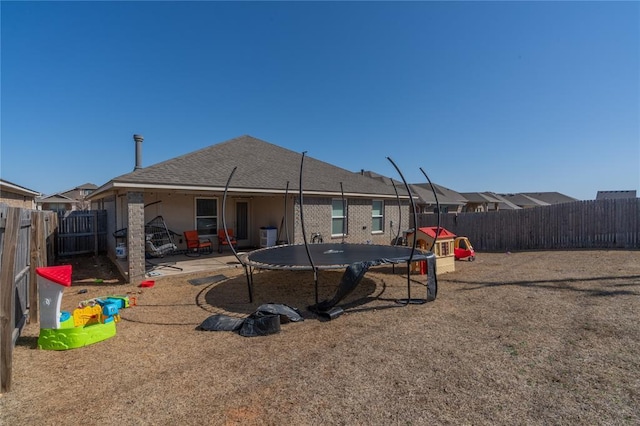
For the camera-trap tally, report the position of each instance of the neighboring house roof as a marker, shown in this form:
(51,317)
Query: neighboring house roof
(87,185)
(445,195)
(522,200)
(423,190)
(7,186)
(262,167)
(615,195)
(490,198)
(550,197)
(75,192)
(54,198)
(68,194)
(505,204)
(480,197)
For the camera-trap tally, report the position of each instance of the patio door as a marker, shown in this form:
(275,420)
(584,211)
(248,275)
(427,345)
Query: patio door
(242,223)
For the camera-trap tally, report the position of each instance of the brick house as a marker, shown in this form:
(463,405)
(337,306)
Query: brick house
(69,200)
(187,191)
(17,196)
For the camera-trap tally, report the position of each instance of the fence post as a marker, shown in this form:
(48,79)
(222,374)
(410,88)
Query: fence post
(7,298)
(95,232)
(38,258)
(52,237)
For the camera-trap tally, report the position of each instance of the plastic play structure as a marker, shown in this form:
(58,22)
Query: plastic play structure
(93,321)
(463,249)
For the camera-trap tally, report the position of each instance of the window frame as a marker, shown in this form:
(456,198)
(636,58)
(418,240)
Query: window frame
(380,216)
(345,206)
(197,217)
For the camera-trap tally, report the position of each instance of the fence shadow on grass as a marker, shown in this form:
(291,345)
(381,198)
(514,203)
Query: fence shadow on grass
(556,284)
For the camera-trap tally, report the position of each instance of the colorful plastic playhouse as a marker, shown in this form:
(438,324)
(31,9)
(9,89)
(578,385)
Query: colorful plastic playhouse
(86,325)
(441,246)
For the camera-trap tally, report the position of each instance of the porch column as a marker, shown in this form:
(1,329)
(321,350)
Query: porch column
(135,236)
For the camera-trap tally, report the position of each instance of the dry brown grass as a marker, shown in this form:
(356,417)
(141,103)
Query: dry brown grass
(525,338)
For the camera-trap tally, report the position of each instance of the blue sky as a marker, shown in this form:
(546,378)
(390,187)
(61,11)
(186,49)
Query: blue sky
(484,96)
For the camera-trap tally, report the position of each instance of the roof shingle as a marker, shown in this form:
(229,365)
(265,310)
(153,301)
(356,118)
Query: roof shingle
(261,166)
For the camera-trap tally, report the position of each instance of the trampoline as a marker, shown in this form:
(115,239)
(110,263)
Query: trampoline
(356,258)
(328,256)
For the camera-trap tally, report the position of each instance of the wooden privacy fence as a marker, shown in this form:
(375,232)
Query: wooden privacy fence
(599,224)
(82,232)
(26,242)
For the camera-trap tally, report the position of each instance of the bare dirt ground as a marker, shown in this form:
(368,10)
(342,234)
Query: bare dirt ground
(521,338)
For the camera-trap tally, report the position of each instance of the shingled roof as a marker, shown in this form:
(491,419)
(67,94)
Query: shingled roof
(480,197)
(262,167)
(615,195)
(522,200)
(445,195)
(550,197)
(423,190)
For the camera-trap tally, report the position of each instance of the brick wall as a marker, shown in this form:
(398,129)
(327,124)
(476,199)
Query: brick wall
(17,200)
(135,236)
(317,218)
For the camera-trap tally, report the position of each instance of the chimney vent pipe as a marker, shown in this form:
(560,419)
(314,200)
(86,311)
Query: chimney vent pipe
(138,139)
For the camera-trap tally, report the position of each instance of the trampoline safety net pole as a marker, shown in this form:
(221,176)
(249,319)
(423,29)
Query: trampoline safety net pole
(226,234)
(304,232)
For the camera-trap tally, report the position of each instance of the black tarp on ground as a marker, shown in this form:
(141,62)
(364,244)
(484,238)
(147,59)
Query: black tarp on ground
(264,321)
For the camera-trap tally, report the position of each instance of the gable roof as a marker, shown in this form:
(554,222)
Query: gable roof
(54,198)
(431,232)
(70,192)
(615,195)
(480,197)
(490,198)
(522,200)
(87,185)
(505,204)
(550,197)
(262,167)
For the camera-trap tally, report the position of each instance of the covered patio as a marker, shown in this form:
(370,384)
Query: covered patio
(181,264)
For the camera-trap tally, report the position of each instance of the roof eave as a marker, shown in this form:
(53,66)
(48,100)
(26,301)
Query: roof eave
(114,185)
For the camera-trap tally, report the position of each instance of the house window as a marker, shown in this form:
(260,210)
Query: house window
(338,217)
(56,207)
(207,216)
(377,216)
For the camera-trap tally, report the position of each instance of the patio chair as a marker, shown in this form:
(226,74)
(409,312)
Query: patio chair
(158,251)
(158,243)
(222,239)
(195,244)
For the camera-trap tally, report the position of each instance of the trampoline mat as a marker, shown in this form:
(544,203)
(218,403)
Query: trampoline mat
(329,255)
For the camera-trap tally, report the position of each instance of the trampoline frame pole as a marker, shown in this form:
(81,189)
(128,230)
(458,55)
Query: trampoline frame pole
(344,212)
(247,273)
(304,232)
(286,225)
(409,300)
